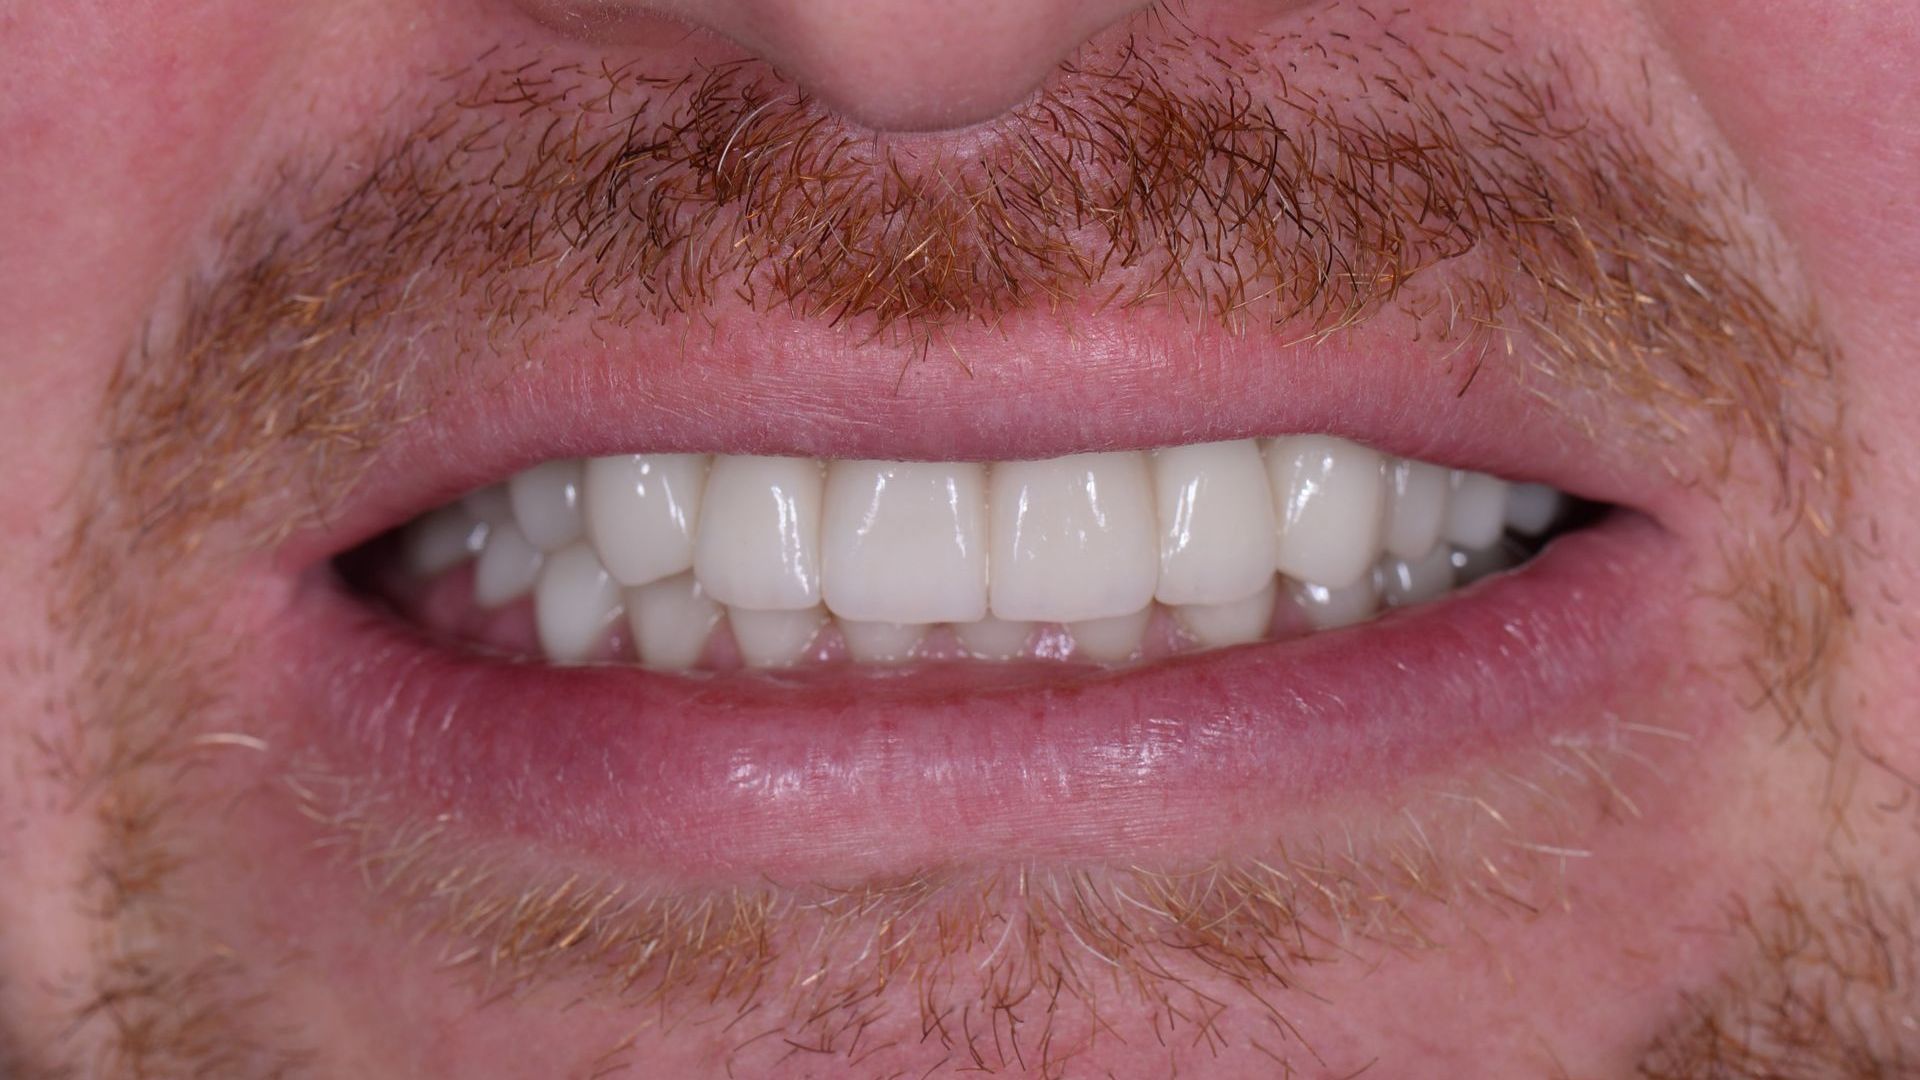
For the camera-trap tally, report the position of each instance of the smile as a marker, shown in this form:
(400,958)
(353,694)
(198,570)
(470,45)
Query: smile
(1104,558)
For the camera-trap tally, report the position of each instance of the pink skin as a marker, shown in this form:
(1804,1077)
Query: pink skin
(125,126)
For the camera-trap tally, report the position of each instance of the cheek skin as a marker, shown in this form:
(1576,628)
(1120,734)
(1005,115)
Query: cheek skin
(1827,130)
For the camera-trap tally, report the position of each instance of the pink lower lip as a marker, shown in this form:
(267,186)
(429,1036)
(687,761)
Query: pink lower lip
(845,771)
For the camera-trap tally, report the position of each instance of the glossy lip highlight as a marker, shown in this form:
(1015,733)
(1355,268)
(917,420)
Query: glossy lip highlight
(845,773)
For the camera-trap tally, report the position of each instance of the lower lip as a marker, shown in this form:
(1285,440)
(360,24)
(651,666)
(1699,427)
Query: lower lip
(845,772)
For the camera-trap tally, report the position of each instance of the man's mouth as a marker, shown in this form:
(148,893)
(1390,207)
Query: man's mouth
(863,665)
(1124,556)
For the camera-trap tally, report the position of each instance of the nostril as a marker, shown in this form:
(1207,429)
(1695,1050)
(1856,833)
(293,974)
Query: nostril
(888,65)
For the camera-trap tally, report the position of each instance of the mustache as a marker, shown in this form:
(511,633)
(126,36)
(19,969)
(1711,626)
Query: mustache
(1482,191)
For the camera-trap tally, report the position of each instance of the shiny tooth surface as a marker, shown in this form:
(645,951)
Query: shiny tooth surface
(1532,509)
(671,620)
(905,541)
(881,642)
(1476,509)
(1216,522)
(1071,538)
(1112,639)
(775,638)
(758,544)
(1416,507)
(994,639)
(1405,582)
(546,503)
(1328,608)
(508,567)
(442,540)
(641,511)
(1233,623)
(1331,499)
(574,602)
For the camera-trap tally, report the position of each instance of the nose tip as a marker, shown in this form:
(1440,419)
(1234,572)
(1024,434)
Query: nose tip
(914,65)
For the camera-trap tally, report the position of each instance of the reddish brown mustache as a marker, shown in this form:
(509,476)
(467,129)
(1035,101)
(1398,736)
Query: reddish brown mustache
(541,191)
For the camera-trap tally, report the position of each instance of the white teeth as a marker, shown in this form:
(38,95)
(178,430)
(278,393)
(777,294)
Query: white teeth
(905,542)
(1235,623)
(880,642)
(1404,583)
(671,621)
(994,639)
(641,510)
(1217,528)
(1072,538)
(574,602)
(1416,508)
(442,540)
(775,638)
(1327,609)
(1331,498)
(546,503)
(1532,509)
(759,537)
(508,567)
(1037,559)
(1111,640)
(1476,509)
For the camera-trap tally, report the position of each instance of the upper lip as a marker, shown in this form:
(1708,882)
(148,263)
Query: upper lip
(1032,387)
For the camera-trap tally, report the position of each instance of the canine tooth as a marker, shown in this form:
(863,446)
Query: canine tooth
(671,621)
(1405,582)
(1328,608)
(774,638)
(758,545)
(1217,528)
(508,567)
(1071,538)
(442,540)
(1112,639)
(574,602)
(904,542)
(1416,507)
(880,642)
(1532,509)
(1331,500)
(1476,509)
(641,510)
(546,503)
(994,639)
(1233,623)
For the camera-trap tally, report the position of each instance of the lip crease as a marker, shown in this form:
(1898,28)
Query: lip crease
(852,771)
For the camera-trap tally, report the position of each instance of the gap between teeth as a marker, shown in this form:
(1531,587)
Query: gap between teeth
(1235,541)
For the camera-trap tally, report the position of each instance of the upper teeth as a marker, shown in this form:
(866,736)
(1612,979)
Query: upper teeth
(890,547)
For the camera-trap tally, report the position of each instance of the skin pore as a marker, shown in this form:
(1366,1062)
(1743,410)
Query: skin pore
(220,895)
